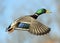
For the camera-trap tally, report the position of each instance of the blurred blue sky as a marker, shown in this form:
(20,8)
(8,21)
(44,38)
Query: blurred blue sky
(13,9)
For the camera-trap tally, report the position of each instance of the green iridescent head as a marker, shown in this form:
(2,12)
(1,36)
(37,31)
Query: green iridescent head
(41,11)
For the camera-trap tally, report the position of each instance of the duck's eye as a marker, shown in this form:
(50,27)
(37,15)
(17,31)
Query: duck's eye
(23,25)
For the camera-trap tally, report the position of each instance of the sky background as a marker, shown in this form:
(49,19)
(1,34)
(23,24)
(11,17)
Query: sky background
(13,9)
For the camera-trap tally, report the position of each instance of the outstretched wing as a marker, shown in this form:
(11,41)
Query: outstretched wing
(34,26)
(38,28)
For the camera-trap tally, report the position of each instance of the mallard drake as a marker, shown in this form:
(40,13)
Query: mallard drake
(30,24)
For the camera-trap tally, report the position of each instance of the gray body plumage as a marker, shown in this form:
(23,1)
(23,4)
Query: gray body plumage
(36,27)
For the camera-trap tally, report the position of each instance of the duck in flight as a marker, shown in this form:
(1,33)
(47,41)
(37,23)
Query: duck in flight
(30,24)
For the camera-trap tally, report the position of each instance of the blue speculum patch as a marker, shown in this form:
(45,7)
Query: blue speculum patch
(23,25)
